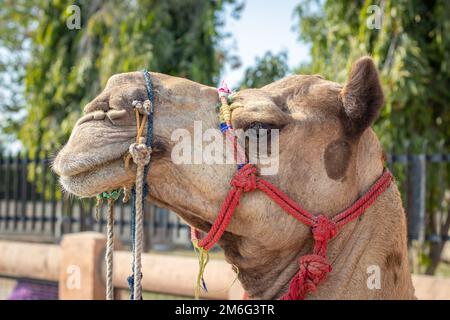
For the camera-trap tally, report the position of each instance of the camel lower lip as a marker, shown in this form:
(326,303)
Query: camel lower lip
(82,170)
(93,150)
(72,163)
(109,175)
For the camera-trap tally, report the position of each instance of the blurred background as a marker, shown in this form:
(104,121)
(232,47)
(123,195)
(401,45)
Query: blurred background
(56,55)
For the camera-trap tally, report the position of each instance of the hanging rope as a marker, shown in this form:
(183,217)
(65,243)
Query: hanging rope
(111,198)
(130,278)
(110,251)
(141,156)
(203,259)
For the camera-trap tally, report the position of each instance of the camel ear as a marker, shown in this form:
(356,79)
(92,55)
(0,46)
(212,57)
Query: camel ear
(362,97)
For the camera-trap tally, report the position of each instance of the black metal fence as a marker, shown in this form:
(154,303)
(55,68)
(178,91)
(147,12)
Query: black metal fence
(424,184)
(32,206)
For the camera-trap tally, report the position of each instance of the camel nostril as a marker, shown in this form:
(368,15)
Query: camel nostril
(116,114)
(99,115)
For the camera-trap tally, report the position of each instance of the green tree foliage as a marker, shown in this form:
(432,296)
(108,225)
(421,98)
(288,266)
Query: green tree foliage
(267,69)
(412,50)
(68,67)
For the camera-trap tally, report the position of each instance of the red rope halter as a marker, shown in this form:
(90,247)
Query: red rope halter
(314,267)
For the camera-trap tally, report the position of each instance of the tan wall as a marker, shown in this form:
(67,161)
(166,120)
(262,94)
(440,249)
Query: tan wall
(32,260)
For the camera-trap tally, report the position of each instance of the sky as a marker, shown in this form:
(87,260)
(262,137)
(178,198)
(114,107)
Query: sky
(264,25)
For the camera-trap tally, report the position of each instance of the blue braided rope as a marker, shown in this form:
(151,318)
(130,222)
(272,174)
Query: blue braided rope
(149,143)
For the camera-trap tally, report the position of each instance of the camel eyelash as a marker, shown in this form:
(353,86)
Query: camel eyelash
(260,125)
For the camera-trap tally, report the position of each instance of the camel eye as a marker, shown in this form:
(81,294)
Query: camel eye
(259,129)
(258,125)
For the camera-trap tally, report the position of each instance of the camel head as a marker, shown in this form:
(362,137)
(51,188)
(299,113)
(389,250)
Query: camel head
(327,157)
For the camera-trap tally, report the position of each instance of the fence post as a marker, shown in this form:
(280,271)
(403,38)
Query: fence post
(416,198)
(82,259)
(416,208)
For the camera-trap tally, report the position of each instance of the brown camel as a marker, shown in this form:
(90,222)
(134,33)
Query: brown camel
(328,157)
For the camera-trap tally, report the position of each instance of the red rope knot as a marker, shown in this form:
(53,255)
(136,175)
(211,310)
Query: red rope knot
(324,229)
(245,178)
(313,270)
